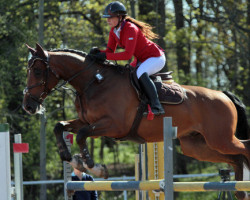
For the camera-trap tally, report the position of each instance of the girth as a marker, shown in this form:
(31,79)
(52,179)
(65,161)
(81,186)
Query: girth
(132,134)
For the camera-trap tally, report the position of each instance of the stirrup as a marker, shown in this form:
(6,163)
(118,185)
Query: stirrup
(155,112)
(158,111)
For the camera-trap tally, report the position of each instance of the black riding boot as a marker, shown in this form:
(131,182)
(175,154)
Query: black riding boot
(150,90)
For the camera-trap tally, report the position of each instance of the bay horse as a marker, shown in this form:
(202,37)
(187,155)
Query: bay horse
(207,120)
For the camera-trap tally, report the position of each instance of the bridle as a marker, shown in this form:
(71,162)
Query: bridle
(44,81)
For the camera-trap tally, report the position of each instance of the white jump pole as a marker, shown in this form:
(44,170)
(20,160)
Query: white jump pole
(5,183)
(18,169)
(66,166)
(170,133)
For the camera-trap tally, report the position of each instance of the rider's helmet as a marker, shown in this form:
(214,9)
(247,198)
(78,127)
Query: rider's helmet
(114,9)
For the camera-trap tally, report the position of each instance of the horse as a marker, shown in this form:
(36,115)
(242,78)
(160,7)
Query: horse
(207,119)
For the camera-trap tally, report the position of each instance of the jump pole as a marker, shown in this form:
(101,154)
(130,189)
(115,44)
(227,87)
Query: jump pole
(66,166)
(170,133)
(18,170)
(19,148)
(158,185)
(5,183)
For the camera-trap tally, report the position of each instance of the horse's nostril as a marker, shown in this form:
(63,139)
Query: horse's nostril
(28,108)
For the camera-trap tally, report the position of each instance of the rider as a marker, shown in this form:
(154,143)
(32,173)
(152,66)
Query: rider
(134,36)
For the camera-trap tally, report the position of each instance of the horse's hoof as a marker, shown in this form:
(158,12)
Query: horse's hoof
(100,171)
(240,195)
(77,163)
(65,156)
(87,159)
(70,193)
(90,163)
(105,172)
(81,168)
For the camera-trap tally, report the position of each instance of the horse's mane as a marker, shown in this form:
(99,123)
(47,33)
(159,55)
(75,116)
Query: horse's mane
(78,52)
(119,68)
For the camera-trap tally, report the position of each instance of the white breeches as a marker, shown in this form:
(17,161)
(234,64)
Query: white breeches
(151,65)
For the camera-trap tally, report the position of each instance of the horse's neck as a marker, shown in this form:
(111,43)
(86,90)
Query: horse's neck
(68,65)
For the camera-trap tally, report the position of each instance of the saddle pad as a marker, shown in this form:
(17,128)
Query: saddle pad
(170,93)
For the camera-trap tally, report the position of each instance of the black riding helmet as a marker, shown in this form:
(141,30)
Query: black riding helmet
(114,9)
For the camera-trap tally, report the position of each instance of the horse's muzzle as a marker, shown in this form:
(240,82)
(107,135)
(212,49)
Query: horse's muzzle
(30,106)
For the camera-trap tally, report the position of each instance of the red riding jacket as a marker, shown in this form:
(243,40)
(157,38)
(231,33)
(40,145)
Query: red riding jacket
(134,42)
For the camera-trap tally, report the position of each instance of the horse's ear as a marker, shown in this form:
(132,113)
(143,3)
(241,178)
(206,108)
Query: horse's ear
(40,51)
(32,51)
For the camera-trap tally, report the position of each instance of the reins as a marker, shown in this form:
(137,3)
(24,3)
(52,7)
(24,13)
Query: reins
(73,77)
(44,81)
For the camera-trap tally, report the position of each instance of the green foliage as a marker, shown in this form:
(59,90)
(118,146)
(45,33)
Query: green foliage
(214,42)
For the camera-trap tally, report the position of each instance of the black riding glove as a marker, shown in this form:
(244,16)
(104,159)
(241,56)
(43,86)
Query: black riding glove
(101,56)
(94,50)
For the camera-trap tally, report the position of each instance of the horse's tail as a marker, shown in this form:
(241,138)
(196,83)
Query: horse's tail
(242,130)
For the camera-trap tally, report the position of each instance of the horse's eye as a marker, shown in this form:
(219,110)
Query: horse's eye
(38,72)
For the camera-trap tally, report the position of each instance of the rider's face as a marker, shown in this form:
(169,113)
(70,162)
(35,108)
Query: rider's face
(113,21)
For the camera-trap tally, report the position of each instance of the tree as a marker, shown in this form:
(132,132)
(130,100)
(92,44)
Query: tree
(182,41)
(153,13)
(206,43)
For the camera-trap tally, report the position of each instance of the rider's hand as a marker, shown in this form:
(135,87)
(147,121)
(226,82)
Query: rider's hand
(101,56)
(94,50)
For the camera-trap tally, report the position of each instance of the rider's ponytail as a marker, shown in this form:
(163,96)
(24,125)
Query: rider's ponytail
(145,28)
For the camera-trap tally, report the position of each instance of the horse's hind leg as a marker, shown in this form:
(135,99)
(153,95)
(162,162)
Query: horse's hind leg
(246,143)
(228,144)
(220,133)
(195,146)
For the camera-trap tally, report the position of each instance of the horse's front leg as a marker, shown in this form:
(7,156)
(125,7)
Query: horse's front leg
(81,137)
(72,126)
(100,128)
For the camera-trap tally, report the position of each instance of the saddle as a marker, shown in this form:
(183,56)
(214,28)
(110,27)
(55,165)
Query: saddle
(169,92)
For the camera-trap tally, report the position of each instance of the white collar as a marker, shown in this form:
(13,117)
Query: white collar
(117,31)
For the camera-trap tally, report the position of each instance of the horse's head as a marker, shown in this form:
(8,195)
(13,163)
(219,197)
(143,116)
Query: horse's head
(40,80)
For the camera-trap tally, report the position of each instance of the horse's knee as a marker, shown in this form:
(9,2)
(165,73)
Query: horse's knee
(59,128)
(80,138)
(82,134)
(63,150)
